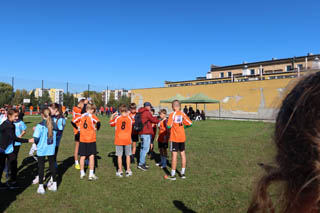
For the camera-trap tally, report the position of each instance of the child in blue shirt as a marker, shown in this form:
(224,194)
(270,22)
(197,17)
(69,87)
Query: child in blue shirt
(60,122)
(46,143)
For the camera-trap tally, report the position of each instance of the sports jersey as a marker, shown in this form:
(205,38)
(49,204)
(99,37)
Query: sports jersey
(163,132)
(76,113)
(20,126)
(123,126)
(176,122)
(45,146)
(87,126)
(61,123)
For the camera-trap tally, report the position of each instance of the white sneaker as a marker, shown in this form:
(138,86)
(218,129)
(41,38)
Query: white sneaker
(158,164)
(119,174)
(53,187)
(82,176)
(93,177)
(41,190)
(128,173)
(35,180)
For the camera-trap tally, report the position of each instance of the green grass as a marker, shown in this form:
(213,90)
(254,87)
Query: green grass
(222,161)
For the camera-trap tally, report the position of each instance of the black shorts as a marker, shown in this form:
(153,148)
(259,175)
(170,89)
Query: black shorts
(135,138)
(177,147)
(86,149)
(163,145)
(77,137)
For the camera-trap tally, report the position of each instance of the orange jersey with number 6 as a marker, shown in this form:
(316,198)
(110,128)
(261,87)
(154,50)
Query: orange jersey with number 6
(177,120)
(87,127)
(123,127)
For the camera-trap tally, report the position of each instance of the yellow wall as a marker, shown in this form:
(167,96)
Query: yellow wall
(239,98)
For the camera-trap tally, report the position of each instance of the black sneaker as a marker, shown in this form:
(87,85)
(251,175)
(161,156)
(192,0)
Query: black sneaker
(3,186)
(183,176)
(13,185)
(142,167)
(172,177)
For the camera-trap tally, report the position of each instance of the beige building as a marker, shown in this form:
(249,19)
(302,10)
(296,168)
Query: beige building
(262,70)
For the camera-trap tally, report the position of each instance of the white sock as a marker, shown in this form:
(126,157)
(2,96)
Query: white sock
(91,173)
(41,185)
(173,172)
(82,172)
(76,162)
(183,170)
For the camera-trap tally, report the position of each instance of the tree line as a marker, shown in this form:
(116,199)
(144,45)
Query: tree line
(8,96)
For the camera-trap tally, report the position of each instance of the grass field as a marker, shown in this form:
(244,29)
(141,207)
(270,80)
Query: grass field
(222,161)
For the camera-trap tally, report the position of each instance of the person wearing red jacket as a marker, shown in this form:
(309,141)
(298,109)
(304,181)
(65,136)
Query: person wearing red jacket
(146,133)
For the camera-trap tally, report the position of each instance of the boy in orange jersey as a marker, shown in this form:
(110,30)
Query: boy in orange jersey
(123,126)
(163,138)
(176,123)
(134,135)
(76,113)
(87,124)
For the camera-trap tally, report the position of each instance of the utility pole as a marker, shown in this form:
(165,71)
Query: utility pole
(67,88)
(88,90)
(107,100)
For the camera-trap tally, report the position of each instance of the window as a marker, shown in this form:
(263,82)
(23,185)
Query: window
(252,72)
(221,74)
(300,66)
(229,74)
(288,68)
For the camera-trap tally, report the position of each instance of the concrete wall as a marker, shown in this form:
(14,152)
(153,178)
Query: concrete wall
(253,99)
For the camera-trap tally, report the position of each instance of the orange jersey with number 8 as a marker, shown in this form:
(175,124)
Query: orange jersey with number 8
(123,128)
(177,120)
(87,127)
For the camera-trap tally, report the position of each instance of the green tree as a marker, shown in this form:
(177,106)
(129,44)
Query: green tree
(112,101)
(96,97)
(45,98)
(19,95)
(6,93)
(68,100)
(33,99)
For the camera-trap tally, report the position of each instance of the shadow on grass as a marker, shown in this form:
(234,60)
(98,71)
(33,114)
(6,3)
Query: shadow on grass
(182,207)
(26,173)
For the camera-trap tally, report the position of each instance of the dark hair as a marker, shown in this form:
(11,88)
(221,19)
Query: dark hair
(297,160)
(163,111)
(152,110)
(12,111)
(133,106)
(123,108)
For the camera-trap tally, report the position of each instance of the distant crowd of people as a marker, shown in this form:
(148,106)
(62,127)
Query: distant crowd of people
(194,115)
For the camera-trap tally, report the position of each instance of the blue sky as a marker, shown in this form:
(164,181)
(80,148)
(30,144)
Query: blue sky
(142,43)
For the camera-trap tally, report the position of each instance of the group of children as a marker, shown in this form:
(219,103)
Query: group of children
(46,137)
(48,133)
(86,124)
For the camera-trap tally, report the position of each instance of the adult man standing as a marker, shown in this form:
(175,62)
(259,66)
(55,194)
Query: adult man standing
(146,134)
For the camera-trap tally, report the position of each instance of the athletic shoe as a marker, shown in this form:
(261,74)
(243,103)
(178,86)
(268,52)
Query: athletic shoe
(77,166)
(163,167)
(53,187)
(142,167)
(93,177)
(82,176)
(35,180)
(119,174)
(41,190)
(172,177)
(3,186)
(158,164)
(183,176)
(147,166)
(128,173)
